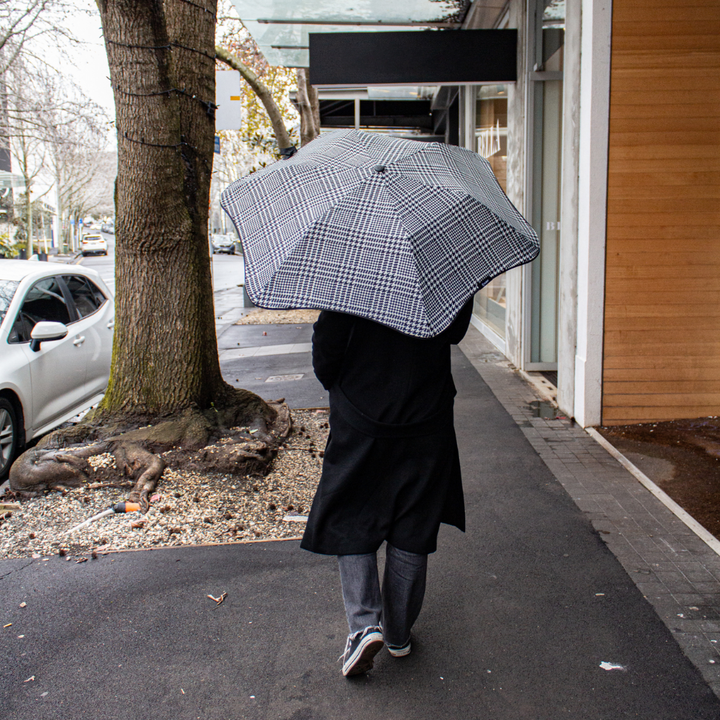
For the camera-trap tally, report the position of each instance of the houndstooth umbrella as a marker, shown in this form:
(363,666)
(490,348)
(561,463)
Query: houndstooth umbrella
(398,231)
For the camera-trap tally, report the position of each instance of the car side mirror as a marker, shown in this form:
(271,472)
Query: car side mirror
(45,332)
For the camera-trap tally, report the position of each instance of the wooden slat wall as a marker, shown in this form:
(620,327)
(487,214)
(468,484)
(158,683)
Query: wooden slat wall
(662,297)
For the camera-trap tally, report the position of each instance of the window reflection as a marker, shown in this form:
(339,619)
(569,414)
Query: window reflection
(7,292)
(491,110)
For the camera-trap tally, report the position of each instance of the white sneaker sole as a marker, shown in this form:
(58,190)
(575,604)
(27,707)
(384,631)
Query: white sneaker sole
(401,651)
(362,659)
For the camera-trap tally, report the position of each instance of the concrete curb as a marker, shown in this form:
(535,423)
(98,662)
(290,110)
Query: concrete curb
(708,538)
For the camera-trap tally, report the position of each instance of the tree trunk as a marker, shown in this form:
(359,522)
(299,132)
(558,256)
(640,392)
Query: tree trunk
(28,217)
(162,68)
(309,110)
(314,103)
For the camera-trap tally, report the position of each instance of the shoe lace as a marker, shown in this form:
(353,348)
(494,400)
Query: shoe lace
(349,641)
(347,644)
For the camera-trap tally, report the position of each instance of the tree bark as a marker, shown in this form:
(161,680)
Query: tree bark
(314,103)
(162,68)
(263,92)
(308,105)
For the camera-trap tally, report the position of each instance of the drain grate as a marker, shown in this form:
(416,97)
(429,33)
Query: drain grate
(285,378)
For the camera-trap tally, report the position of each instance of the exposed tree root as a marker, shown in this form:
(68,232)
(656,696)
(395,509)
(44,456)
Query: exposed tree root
(142,466)
(227,440)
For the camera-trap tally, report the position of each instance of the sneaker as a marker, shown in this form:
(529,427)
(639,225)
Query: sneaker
(360,650)
(400,650)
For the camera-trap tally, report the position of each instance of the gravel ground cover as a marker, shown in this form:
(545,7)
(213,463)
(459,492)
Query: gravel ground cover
(279,317)
(187,509)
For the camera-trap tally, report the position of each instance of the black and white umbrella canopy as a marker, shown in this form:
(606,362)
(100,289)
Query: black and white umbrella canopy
(397,231)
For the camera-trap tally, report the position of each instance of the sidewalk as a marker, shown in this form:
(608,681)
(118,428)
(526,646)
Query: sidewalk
(523,612)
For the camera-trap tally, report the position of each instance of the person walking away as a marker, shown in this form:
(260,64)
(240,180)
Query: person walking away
(391,472)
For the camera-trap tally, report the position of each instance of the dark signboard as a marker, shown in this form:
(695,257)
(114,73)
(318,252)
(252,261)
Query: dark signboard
(431,57)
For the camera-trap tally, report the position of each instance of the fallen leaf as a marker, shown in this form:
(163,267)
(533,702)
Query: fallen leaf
(218,600)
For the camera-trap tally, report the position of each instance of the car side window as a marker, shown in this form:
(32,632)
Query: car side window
(85,294)
(44,302)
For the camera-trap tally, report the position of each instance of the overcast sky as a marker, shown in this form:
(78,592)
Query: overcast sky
(89,68)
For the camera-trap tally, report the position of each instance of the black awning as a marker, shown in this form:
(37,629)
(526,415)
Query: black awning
(409,114)
(435,57)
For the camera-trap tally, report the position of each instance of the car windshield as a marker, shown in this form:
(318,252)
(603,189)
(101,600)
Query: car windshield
(7,291)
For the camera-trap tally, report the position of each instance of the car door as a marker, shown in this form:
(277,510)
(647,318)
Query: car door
(57,369)
(96,324)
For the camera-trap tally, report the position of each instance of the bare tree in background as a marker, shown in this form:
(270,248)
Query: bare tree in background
(55,134)
(75,146)
(25,132)
(36,104)
(25,22)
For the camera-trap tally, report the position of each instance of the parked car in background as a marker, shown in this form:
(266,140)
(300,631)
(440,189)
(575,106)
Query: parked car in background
(56,334)
(108,228)
(223,244)
(94,244)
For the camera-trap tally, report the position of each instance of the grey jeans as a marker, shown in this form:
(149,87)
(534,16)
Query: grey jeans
(396,609)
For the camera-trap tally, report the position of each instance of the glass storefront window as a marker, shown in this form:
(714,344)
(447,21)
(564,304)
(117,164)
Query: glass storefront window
(491,114)
(546,193)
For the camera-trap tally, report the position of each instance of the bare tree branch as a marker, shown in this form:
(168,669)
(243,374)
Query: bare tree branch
(263,92)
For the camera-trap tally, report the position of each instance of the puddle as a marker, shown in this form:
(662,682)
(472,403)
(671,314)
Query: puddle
(543,409)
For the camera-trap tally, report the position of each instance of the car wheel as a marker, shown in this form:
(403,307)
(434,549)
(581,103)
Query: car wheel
(8,436)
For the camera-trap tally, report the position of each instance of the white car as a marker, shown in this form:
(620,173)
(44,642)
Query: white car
(93,245)
(56,335)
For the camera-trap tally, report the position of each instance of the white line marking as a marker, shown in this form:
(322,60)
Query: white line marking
(263,350)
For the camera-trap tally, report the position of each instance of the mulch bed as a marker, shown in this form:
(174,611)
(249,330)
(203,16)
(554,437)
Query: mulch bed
(279,317)
(688,470)
(188,508)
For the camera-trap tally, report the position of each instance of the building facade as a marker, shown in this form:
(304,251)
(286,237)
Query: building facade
(608,141)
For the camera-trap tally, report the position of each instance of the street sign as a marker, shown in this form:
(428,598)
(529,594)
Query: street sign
(217,144)
(228,115)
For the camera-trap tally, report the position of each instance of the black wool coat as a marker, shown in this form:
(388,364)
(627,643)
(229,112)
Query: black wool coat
(391,469)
